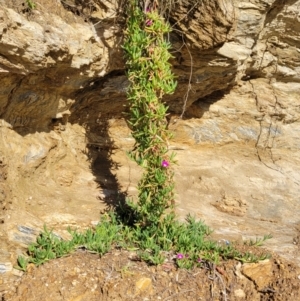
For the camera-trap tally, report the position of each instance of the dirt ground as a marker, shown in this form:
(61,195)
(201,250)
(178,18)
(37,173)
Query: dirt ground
(119,275)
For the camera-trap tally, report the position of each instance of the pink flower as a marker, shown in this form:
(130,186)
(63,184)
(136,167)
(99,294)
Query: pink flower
(149,22)
(179,256)
(164,163)
(199,260)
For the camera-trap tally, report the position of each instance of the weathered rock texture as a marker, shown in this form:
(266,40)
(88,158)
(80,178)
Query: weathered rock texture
(63,136)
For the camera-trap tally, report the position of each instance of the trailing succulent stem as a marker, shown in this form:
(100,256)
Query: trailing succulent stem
(151,77)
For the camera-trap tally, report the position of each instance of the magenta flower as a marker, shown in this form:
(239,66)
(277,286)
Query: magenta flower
(149,22)
(179,256)
(199,260)
(164,163)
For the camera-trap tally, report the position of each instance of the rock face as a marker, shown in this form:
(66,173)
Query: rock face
(63,135)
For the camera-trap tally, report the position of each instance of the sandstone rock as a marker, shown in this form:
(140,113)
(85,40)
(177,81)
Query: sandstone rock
(260,273)
(231,205)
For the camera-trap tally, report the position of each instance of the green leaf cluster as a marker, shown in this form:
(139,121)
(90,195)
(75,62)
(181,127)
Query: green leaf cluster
(30,4)
(49,246)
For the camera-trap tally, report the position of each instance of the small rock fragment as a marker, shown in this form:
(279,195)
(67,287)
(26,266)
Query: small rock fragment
(5,267)
(144,284)
(239,293)
(17,273)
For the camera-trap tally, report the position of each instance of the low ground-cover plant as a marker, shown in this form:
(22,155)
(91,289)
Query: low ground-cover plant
(149,225)
(186,243)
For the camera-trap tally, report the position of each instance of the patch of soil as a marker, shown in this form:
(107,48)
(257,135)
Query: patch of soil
(118,275)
